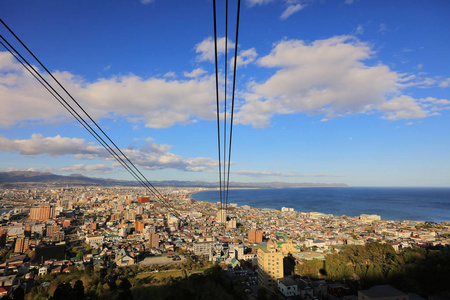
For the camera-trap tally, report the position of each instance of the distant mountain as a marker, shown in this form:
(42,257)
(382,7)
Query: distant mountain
(49,178)
(30,177)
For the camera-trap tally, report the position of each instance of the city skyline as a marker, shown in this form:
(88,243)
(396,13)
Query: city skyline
(352,92)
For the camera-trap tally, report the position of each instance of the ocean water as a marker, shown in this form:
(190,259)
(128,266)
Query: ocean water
(391,203)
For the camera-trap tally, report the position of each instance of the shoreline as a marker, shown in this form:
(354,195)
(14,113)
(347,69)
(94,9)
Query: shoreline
(393,204)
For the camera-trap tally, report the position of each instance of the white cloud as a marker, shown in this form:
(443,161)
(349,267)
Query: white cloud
(147,1)
(258,2)
(195,73)
(290,10)
(205,48)
(53,146)
(244,58)
(323,77)
(445,83)
(359,30)
(157,102)
(331,78)
(170,74)
(403,107)
(150,156)
(382,29)
(83,169)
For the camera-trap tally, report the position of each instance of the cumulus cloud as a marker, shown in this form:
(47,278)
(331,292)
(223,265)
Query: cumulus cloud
(245,57)
(205,49)
(150,156)
(292,6)
(195,73)
(445,83)
(323,77)
(406,107)
(332,77)
(82,169)
(290,10)
(359,30)
(53,146)
(403,107)
(157,102)
(258,2)
(382,28)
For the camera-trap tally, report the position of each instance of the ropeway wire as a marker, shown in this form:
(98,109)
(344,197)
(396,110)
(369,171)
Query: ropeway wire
(146,184)
(217,106)
(232,102)
(52,91)
(224,188)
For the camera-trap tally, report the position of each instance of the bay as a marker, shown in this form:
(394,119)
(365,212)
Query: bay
(391,203)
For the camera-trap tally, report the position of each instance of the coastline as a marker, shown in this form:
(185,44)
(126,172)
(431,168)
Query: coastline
(391,203)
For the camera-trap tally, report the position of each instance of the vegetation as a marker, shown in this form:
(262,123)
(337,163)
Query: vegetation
(414,269)
(161,282)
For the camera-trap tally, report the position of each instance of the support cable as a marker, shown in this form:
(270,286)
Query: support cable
(232,101)
(217,103)
(225,100)
(146,184)
(73,99)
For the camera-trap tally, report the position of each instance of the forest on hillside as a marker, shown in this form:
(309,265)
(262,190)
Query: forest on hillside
(418,270)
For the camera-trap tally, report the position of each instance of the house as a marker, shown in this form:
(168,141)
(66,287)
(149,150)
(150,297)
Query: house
(43,271)
(7,281)
(3,292)
(288,287)
(304,289)
(338,289)
(382,292)
(235,263)
(56,270)
(123,261)
(94,240)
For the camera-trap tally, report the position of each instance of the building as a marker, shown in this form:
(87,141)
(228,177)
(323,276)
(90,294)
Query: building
(382,292)
(270,264)
(52,229)
(139,210)
(221,216)
(231,224)
(27,230)
(21,245)
(203,248)
(255,236)
(143,199)
(369,218)
(94,239)
(58,236)
(288,287)
(3,236)
(286,209)
(42,213)
(153,240)
(139,226)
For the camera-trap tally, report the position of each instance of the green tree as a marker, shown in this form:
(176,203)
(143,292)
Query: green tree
(64,291)
(124,290)
(78,289)
(18,293)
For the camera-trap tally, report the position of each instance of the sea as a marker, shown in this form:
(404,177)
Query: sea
(391,203)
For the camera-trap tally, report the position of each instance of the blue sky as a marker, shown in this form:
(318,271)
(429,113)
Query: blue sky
(342,91)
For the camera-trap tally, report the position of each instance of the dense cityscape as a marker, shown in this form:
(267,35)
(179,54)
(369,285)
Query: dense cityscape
(51,232)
